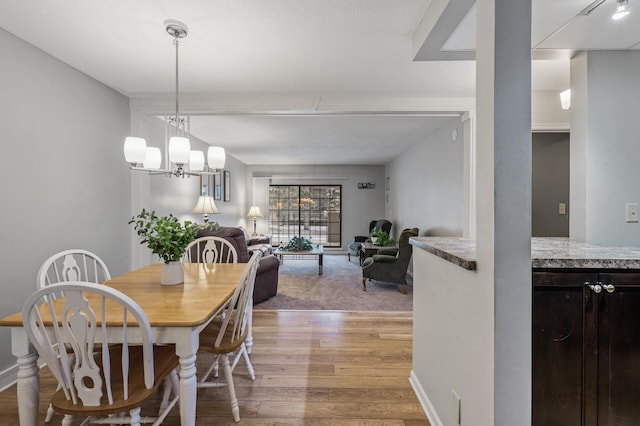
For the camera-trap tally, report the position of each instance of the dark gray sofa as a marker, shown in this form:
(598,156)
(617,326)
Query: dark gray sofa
(266,285)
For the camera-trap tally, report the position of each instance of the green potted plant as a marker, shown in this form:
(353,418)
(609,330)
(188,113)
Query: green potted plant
(298,243)
(384,240)
(168,238)
(381,238)
(375,234)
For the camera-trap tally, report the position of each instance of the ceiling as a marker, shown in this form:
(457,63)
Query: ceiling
(295,82)
(559,28)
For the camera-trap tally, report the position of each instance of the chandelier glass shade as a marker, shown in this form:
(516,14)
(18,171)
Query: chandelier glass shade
(153,159)
(180,159)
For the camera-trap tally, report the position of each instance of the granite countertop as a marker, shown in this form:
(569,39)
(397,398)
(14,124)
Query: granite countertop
(560,253)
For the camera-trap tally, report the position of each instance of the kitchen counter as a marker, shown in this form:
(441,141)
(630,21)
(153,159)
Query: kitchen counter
(546,253)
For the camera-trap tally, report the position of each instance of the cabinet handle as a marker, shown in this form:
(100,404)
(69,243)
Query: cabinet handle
(609,287)
(596,288)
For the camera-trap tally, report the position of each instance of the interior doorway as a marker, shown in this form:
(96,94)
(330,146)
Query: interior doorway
(550,185)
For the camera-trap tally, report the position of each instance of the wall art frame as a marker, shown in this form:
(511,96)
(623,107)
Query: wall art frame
(217,186)
(227,186)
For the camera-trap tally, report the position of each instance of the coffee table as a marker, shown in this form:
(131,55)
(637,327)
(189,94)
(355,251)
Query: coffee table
(316,251)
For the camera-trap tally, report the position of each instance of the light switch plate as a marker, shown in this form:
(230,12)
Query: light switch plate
(631,210)
(562,208)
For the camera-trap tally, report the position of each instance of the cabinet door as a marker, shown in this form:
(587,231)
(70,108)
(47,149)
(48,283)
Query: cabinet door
(619,351)
(558,338)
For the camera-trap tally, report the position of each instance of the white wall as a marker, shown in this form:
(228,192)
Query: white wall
(65,182)
(453,336)
(427,191)
(578,148)
(547,113)
(474,328)
(605,130)
(426,184)
(359,206)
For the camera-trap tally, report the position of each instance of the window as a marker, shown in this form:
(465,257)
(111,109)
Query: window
(312,211)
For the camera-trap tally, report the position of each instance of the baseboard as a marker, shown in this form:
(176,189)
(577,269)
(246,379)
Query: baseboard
(432,416)
(8,377)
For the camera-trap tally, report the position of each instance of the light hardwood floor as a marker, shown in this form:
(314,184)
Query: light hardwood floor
(312,368)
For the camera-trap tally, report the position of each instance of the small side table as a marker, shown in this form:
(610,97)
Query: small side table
(369,249)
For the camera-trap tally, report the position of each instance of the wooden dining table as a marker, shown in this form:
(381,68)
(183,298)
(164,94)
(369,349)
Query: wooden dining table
(176,315)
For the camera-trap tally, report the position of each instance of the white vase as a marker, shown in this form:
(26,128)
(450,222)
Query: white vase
(374,239)
(172,273)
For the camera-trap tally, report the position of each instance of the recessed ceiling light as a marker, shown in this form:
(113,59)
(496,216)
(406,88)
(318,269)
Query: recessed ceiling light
(622,9)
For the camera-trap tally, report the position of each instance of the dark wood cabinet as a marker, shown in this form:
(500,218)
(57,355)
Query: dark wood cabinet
(586,348)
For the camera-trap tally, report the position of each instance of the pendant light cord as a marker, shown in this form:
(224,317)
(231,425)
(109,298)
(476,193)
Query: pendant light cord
(176,42)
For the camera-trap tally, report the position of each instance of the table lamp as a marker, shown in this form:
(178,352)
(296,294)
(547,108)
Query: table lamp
(255,213)
(204,206)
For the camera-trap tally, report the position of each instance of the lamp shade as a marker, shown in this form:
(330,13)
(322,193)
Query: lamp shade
(196,161)
(216,157)
(254,212)
(153,159)
(179,150)
(135,150)
(205,204)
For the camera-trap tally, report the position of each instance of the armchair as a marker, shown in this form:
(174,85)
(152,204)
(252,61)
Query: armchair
(392,269)
(354,247)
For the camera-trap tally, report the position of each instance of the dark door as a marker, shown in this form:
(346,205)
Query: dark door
(550,185)
(619,351)
(558,338)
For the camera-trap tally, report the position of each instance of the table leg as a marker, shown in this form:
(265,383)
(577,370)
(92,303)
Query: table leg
(28,384)
(186,350)
(320,264)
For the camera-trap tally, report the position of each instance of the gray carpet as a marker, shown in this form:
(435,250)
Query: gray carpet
(339,288)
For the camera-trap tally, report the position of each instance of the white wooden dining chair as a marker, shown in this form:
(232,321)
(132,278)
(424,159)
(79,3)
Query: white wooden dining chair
(225,336)
(210,250)
(73,265)
(98,383)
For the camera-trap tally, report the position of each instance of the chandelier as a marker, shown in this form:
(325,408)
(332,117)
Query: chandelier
(180,160)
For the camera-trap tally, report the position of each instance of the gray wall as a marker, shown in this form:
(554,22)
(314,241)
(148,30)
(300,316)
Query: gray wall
(426,184)
(604,145)
(549,184)
(65,182)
